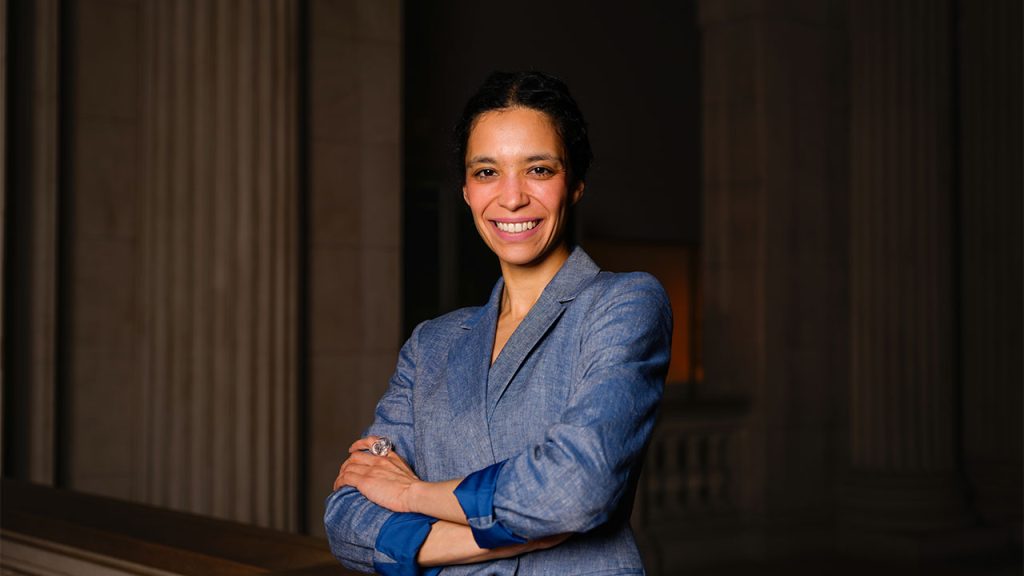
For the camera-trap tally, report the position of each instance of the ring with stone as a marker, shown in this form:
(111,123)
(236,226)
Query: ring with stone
(381,447)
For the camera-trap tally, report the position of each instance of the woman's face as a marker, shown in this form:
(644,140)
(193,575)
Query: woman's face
(516,185)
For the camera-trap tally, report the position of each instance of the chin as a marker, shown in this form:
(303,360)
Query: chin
(524,258)
(517,260)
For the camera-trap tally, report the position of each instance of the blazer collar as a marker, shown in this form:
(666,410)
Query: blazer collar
(470,360)
(571,278)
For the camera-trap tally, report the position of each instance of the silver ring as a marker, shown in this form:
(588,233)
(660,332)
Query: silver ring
(382,447)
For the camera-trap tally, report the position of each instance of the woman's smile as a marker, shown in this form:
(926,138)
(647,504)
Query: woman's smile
(516,229)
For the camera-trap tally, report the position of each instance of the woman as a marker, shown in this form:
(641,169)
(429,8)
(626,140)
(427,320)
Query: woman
(511,435)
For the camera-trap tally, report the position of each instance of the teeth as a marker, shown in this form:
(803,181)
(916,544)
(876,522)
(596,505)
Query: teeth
(515,228)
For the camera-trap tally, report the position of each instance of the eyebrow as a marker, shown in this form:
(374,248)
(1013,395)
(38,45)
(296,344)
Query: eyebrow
(544,157)
(532,158)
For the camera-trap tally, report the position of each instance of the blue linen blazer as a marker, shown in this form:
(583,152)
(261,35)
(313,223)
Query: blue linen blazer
(557,424)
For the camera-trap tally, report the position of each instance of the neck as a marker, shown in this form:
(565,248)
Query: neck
(524,284)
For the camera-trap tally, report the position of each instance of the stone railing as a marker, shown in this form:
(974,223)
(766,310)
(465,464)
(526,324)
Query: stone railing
(687,507)
(691,463)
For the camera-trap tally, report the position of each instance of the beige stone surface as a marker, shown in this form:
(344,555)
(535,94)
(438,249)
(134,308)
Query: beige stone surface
(335,300)
(334,376)
(182,282)
(334,88)
(334,19)
(336,204)
(105,294)
(107,79)
(44,242)
(355,293)
(379,78)
(107,185)
(3,178)
(379,283)
(380,184)
(103,291)
(377,20)
(103,420)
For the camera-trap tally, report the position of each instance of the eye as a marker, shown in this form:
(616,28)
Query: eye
(542,171)
(484,173)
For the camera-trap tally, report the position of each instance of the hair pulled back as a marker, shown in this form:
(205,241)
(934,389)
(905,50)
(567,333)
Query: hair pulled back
(536,91)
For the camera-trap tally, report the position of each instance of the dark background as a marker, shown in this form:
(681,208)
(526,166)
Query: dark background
(220,221)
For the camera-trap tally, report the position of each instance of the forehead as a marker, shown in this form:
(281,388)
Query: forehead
(512,128)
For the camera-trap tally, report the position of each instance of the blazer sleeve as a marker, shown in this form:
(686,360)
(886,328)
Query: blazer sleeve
(363,535)
(575,478)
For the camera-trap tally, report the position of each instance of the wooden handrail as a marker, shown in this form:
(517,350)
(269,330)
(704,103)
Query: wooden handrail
(117,534)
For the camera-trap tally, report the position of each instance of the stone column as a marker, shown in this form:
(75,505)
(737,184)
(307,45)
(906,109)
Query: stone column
(991,262)
(44,269)
(3,178)
(902,459)
(30,205)
(355,168)
(218,256)
(775,149)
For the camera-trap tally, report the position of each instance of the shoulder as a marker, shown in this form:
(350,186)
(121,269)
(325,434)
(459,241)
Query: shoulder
(638,290)
(431,340)
(453,319)
(623,304)
(628,281)
(445,327)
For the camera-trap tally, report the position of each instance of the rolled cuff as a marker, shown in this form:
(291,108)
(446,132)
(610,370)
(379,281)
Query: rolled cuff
(476,497)
(399,542)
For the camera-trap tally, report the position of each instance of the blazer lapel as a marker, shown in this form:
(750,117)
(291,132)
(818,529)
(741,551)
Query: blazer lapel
(533,328)
(575,274)
(469,362)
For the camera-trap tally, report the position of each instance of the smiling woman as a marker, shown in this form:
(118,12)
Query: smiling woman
(517,188)
(514,431)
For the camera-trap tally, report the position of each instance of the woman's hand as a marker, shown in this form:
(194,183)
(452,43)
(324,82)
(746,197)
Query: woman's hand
(383,480)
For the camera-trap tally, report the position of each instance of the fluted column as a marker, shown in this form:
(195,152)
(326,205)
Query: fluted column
(991,259)
(219,265)
(774,180)
(902,355)
(44,269)
(3,178)
(30,260)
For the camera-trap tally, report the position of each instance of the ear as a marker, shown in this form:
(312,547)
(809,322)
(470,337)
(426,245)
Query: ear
(577,193)
(465,197)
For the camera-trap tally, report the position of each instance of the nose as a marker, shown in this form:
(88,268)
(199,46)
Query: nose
(512,195)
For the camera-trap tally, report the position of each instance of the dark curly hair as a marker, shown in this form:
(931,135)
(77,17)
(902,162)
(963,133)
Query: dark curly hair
(536,91)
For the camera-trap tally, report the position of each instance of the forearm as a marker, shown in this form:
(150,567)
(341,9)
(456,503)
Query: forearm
(351,524)
(449,543)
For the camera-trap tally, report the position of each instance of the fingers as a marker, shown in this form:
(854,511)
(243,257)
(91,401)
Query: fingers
(351,473)
(361,464)
(339,481)
(344,474)
(362,444)
(358,454)
(345,477)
